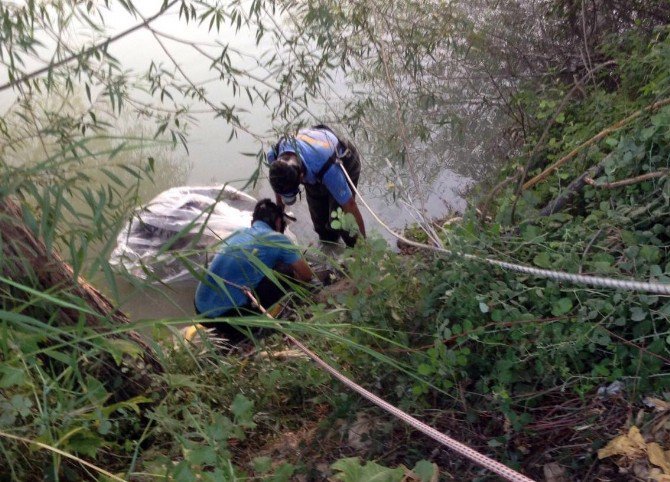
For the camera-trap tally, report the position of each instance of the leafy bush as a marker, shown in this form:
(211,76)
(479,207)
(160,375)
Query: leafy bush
(480,341)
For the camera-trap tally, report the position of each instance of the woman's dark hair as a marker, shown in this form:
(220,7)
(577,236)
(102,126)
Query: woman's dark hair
(284,176)
(268,212)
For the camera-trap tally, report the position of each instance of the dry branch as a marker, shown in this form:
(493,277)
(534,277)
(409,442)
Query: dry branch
(26,260)
(573,188)
(89,51)
(602,134)
(564,102)
(627,182)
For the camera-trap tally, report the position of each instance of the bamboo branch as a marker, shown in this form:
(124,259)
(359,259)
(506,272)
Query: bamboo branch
(602,134)
(627,182)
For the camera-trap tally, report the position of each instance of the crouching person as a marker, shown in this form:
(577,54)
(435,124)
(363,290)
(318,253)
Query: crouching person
(241,263)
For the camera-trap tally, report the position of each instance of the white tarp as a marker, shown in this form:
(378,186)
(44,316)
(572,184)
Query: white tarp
(180,226)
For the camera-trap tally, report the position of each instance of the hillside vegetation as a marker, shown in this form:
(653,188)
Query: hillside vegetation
(538,374)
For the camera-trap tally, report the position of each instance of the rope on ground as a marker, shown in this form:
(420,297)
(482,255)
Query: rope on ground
(630,285)
(456,446)
(462,449)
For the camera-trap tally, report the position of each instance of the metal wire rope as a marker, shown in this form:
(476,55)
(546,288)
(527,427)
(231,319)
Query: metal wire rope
(630,285)
(455,445)
(458,447)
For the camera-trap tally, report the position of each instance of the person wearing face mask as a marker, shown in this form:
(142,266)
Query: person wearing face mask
(310,158)
(243,263)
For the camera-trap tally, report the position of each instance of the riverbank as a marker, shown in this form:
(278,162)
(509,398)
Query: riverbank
(543,374)
(541,368)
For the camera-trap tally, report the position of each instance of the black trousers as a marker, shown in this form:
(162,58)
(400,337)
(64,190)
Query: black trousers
(321,203)
(267,293)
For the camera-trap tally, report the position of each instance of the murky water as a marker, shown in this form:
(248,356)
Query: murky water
(212,159)
(177,301)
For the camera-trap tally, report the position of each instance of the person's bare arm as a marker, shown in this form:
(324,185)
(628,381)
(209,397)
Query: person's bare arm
(302,270)
(280,201)
(352,208)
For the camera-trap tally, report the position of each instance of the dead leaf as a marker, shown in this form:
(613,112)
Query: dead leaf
(658,457)
(655,474)
(630,445)
(359,432)
(657,404)
(639,418)
(661,425)
(554,472)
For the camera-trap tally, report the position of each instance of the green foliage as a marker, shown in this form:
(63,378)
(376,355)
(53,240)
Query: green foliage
(214,405)
(50,395)
(465,335)
(344,221)
(440,336)
(351,470)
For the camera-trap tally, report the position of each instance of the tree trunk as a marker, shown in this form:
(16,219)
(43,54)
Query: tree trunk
(26,260)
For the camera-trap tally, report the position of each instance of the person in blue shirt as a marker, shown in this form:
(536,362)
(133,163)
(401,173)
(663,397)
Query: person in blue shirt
(310,158)
(243,262)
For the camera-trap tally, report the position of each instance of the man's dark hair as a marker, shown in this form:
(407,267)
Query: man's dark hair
(268,212)
(284,176)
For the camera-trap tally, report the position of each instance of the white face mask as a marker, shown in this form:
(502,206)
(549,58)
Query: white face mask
(289,199)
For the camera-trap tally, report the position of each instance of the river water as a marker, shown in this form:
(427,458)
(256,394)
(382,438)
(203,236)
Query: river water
(212,159)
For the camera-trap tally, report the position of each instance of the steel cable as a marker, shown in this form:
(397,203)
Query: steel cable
(630,285)
(458,447)
(455,445)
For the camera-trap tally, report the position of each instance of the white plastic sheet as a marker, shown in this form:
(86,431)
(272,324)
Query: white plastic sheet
(180,227)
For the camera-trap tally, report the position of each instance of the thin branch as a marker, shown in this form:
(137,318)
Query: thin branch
(628,182)
(564,102)
(201,95)
(38,129)
(574,187)
(246,73)
(62,453)
(280,32)
(522,173)
(602,134)
(484,206)
(89,50)
(584,34)
(635,345)
(587,249)
(412,170)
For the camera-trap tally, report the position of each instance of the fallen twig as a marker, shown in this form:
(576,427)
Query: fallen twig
(635,345)
(627,182)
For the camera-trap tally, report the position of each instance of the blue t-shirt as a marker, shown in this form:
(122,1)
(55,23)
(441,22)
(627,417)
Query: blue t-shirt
(314,147)
(238,262)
